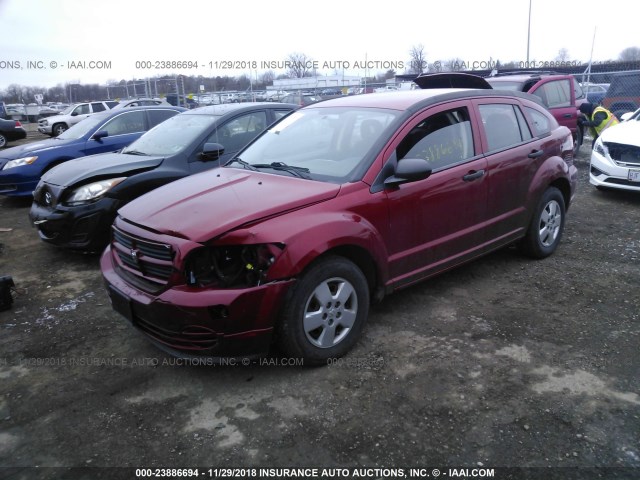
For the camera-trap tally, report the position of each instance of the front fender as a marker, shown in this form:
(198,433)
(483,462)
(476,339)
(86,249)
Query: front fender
(305,237)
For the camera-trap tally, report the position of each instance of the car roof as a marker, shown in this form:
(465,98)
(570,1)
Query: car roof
(417,99)
(116,111)
(225,108)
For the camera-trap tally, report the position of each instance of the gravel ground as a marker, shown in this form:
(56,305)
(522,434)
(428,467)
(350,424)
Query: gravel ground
(504,362)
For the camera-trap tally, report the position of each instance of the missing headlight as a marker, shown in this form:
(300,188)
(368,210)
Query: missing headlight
(228,266)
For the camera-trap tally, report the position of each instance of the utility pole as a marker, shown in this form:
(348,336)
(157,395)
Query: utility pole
(529,33)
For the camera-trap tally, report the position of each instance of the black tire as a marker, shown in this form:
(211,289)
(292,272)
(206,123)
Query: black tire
(3,141)
(58,129)
(546,226)
(577,142)
(340,317)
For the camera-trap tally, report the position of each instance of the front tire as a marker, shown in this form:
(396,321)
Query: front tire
(58,129)
(546,226)
(325,311)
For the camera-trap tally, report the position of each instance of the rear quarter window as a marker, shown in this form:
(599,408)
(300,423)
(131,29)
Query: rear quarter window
(541,123)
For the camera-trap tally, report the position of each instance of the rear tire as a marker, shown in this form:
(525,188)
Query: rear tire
(325,311)
(3,141)
(546,226)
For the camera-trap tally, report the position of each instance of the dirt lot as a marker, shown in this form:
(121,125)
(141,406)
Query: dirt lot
(506,362)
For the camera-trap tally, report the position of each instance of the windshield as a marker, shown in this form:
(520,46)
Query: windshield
(83,127)
(329,144)
(172,136)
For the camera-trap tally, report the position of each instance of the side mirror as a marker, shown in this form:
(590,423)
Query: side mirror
(211,151)
(408,170)
(626,116)
(100,134)
(74,114)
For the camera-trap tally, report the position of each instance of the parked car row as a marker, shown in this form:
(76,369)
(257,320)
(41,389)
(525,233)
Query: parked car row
(233,228)
(76,203)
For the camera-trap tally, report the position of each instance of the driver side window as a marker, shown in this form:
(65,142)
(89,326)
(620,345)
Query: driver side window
(238,132)
(443,140)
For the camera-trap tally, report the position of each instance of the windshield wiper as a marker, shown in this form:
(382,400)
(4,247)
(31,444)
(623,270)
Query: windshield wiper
(297,171)
(246,165)
(134,152)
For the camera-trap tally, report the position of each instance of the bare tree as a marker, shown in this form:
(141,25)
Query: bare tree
(630,54)
(563,55)
(417,59)
(267,77)
(14,93)
(299,65)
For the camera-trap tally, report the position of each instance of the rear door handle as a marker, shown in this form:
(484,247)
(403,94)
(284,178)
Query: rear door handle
(536,154)
(473,175)
(568,115)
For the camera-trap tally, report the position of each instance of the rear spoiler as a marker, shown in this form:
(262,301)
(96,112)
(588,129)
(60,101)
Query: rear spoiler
(451,80)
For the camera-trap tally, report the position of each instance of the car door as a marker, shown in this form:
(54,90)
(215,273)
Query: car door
(513,156)
(233,135)
(79,113)
(559,98)
(122,130)
(438,221)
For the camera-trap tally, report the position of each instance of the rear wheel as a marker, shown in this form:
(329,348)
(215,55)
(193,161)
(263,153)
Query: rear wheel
(325,311)
(547,225)
(3,141)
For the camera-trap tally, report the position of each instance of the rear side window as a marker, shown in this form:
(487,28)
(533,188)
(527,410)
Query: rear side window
(540,123)
(98,107)
(159,116)
(501,126)
(443,140)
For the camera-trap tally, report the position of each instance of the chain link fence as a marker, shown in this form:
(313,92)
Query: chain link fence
(618,92)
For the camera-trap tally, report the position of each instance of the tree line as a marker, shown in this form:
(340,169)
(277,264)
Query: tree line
(165,84)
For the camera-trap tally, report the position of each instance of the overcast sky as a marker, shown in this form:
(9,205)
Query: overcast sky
(117,33)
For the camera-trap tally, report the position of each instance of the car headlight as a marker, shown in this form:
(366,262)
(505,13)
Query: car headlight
(92,191)
(230,266)
(44,123)
(20,162)
(600,149)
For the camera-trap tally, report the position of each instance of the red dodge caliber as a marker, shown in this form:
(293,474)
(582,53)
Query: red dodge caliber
(339,203)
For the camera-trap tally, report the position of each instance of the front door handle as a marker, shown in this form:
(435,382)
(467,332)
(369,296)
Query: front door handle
(473,175)
(536,153)
(568,115)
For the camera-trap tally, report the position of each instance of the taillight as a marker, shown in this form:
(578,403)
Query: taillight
(18,124)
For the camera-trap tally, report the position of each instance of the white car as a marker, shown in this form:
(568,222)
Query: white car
(615,160)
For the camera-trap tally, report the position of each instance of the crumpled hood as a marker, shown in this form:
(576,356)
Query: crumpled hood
(204,206)
(626,133)
(102,165)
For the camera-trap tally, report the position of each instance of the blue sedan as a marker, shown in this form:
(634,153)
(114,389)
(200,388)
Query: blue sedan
(21,167)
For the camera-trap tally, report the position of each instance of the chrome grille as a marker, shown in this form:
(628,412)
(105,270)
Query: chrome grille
(151,261)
